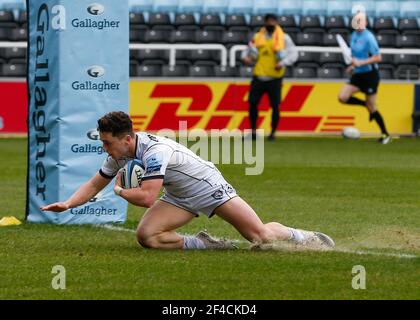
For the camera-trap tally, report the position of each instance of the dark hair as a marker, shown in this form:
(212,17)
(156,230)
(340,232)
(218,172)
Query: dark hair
(269,16)
(116,122)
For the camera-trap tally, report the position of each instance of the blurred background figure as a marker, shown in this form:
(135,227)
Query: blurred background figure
(266,50)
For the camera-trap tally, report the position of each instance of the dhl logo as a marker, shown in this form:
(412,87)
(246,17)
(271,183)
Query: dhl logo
(203,106)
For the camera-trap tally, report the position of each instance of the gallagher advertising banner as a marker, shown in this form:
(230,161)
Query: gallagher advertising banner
(78,71)
(306,108)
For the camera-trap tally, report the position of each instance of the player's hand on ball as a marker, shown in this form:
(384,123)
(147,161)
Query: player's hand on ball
(56,207)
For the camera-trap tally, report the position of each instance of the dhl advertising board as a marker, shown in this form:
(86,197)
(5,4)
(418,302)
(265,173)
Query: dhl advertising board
(307,107)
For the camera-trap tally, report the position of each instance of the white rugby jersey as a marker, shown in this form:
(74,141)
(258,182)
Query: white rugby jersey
(184,173)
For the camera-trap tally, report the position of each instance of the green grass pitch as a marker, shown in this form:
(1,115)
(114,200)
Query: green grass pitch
(365,195)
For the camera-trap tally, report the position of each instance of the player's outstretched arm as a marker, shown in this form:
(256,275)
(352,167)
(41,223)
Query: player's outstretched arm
(86,192)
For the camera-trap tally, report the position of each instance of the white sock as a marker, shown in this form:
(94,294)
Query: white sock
(296,235)
(191,242)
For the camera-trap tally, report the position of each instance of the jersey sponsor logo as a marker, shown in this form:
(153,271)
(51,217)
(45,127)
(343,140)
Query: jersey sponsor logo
(154,163)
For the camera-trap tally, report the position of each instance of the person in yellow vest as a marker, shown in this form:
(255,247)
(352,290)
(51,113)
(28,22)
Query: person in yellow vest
(267,51)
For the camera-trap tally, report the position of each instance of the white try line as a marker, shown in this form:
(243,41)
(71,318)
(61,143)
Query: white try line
(343,250)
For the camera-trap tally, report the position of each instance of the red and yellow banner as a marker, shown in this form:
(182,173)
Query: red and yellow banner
(306,107)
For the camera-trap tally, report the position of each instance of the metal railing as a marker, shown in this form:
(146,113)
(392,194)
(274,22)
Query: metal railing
(240,47)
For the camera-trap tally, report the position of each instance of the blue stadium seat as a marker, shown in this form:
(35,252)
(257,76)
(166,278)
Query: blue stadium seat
(140,5)
(242,6)
(188,6)
(265,6)
(287,7)
(410,9)
(314,7)
(215,6)
(369,6)
(387,8)
(338,7)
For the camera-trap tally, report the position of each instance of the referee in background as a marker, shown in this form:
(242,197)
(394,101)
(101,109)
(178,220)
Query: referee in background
(267,51)
(365,74)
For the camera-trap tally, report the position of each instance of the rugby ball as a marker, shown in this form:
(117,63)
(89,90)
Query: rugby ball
(351,133)
(131,174)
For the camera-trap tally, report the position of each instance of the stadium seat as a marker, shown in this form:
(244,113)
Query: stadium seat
(407,72)
(387,59)
(175,71)
(221,71)
(210,20)
(12,53)
(292,7)
(6,16)
(383,23)
(309,22)
(386,40)
(182,36)
(242,6)
(338,8)
(330,73)
(287,21)
(149,71)
(408,41)
(4,34)
(308,56)
(246,71)
(235,20)
(215,6)
(405,24)
(235,37)
(159,18)
(402,58)
(410,9)
(156,36)
(334,22)
(256,21)
(387,8)
(304,72)
(189,28)
(148,54)
(140,5)
(18,34)
(330,57)
(200,71)
(314,7)
(309,39)
(136,18)
(386,71)
(14,70)
(169,6)
(204,36)
(264,6)
(137,33)
(199,54)
(184,19)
